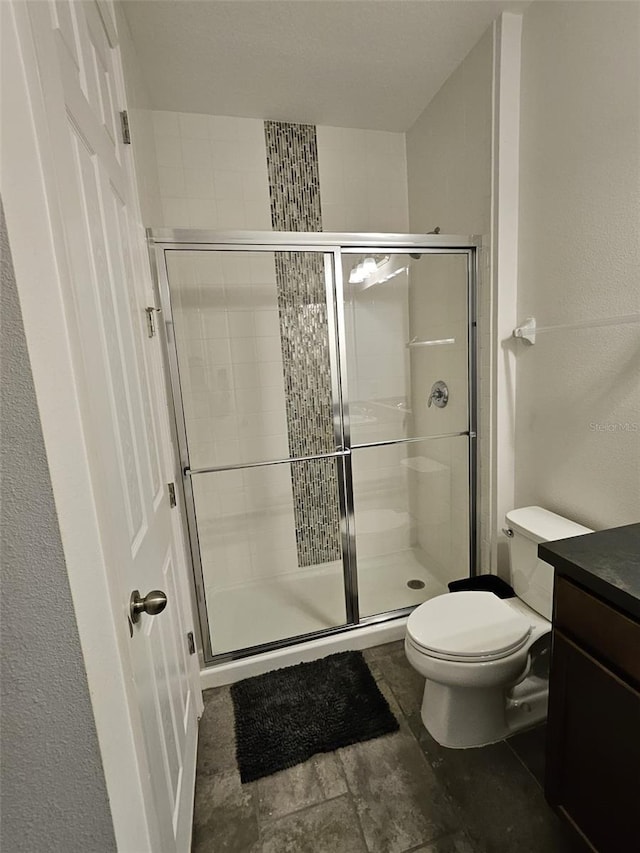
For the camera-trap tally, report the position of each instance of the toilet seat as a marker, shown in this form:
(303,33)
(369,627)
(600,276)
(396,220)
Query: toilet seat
(467,626)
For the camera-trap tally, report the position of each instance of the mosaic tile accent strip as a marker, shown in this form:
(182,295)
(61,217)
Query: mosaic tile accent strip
(294,179)
(294,188)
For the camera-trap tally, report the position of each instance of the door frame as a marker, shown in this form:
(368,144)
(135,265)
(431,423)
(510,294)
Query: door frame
(35,229)
(162,240)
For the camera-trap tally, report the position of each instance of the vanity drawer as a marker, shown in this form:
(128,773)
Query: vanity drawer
(600,628)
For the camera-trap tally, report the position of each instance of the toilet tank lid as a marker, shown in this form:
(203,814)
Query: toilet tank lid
(541,525)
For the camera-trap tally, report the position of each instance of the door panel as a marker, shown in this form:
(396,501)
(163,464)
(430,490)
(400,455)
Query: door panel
(253,345)
(265,579)
(411,520)
(406,318)
(124,419)
(255,349)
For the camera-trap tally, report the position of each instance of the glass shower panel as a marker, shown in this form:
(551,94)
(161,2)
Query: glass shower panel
(411,512)
(406,320)
(260,379)
(265,578)
(252,339)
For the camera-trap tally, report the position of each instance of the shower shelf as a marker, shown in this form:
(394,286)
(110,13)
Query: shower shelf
(414,342)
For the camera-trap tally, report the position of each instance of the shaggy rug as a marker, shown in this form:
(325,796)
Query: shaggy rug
(286,716)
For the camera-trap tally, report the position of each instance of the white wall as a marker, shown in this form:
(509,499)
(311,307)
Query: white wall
(363,179)
(53,794)
(449,167)
(140,125)
(579,260)
(499,462)
(212,171)
(449,151)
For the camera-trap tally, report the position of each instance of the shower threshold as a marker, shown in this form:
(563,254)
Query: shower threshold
(309,601)
(348,638)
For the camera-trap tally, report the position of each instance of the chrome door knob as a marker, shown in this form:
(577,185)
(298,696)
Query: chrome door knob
(153,603)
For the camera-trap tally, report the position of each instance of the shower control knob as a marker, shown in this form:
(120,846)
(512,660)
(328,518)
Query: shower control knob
(439,395)
(153,603)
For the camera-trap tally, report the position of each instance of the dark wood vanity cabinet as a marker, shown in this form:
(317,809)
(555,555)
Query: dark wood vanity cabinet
(593,733)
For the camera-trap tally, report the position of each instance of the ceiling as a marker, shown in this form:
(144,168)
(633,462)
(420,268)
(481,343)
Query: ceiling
(349,63)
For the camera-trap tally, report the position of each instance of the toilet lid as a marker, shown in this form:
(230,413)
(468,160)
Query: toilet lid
(467,625)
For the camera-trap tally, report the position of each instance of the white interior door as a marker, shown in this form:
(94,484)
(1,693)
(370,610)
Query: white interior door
(105,285)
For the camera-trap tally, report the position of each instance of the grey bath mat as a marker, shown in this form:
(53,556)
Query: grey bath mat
(286,716)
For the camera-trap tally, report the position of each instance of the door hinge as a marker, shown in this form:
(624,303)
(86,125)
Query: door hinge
(191,643)
(150,311)
(172,494)
(124,125)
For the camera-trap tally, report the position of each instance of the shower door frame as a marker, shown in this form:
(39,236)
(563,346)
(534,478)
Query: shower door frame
(336,245)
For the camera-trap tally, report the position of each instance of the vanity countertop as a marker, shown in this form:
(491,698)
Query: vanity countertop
(606,562)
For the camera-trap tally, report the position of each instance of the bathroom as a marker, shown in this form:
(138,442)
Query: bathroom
(388,318)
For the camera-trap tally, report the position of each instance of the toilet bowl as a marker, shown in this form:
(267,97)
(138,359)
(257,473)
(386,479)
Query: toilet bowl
(477,652)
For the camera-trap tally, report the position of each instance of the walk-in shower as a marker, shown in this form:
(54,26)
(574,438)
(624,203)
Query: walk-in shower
(323,388)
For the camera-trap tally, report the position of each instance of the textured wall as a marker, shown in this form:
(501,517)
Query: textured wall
(578,392)
(449,175)
(53,795)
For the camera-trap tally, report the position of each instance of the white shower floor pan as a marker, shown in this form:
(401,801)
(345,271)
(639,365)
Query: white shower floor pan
(312,599)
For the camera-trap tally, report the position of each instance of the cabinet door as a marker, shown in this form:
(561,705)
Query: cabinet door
(593,748)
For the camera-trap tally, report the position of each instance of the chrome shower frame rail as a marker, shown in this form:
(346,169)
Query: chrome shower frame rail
(332,246)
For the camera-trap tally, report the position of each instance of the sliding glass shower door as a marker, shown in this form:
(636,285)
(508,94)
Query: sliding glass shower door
(256,356)
(326,427)
(407,339)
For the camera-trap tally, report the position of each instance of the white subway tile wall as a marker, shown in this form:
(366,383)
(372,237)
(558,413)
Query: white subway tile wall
(213,174)
(363,180)
(212,171)
(228,338)
(377,323)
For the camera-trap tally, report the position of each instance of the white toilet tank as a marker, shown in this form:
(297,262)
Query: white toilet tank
(531,577)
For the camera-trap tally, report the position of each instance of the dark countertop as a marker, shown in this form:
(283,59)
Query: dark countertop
(606,562)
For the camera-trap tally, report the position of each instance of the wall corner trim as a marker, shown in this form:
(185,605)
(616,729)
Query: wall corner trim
(504,252)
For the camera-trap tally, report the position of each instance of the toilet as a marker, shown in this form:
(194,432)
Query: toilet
(485,659)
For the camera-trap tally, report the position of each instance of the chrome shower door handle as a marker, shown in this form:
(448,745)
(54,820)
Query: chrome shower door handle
(439,395)
(153,603)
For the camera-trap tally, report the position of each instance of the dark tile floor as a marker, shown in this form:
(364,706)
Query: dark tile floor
(395,794)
